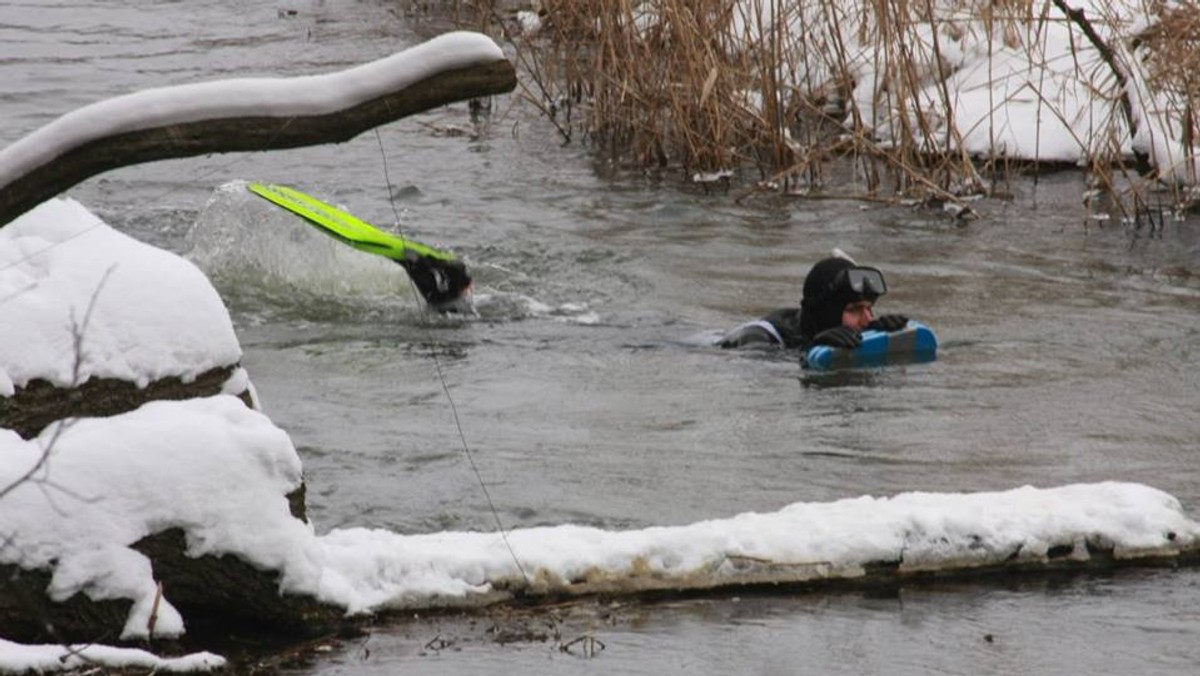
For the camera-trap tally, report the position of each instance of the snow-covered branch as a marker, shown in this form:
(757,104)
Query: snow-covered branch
(246,115)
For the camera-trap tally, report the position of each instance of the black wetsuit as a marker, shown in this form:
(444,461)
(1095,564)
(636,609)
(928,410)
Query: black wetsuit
(828,289)
(779,328)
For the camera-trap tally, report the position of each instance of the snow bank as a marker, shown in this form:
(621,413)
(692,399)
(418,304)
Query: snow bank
(801,542)
(81,300)
(1028,86)
(212,467)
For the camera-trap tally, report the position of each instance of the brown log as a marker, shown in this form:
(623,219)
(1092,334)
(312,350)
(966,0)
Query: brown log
(213,591)
(217,594)
(39,403)
(226,594)
(27,614)
(247,134)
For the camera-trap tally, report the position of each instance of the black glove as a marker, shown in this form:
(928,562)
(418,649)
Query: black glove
(839,336)
(888,323)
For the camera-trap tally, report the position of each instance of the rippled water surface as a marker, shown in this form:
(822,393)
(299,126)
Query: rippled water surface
(1069,353)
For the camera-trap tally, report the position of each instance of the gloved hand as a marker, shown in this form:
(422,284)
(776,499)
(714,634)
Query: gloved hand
(888,323)
(838,336)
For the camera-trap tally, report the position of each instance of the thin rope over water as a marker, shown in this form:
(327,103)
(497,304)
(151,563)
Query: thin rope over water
(436,362)
(446,388)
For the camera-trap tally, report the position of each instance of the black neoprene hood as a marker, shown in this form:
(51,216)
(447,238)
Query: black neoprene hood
(823,301)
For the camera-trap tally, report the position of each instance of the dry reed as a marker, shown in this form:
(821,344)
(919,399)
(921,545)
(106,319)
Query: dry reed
(859,97)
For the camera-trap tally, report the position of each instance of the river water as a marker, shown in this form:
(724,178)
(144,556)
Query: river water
(584,388)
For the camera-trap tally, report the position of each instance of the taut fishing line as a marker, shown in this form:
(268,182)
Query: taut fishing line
(446,388)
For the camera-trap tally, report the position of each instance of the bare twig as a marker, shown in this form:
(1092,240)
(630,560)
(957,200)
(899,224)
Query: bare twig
(152,621)
(78,328)
(589,645)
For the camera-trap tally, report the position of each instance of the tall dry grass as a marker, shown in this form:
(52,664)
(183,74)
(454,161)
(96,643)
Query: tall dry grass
(713,85)
(863,97)
(1170,48)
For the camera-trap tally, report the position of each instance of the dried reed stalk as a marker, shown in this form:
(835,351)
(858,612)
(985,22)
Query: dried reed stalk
(797,88)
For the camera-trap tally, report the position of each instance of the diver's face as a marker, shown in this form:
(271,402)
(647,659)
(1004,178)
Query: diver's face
(856,316)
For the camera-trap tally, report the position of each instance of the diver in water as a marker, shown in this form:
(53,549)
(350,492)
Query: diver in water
(838,304)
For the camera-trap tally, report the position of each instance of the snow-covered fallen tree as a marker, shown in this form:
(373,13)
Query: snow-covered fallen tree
(217,471)
(247,115)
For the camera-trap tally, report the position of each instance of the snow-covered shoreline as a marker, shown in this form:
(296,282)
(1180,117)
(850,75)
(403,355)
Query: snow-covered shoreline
(219,471)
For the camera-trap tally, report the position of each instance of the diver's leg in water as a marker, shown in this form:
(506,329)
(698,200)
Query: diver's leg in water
(443,284)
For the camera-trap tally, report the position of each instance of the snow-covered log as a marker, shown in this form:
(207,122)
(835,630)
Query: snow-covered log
(98,323)
(246,115)
(98,326)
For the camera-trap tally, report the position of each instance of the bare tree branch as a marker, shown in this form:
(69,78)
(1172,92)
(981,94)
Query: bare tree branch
(1079,18)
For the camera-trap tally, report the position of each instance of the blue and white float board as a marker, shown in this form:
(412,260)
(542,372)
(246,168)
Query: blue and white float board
(914,343)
